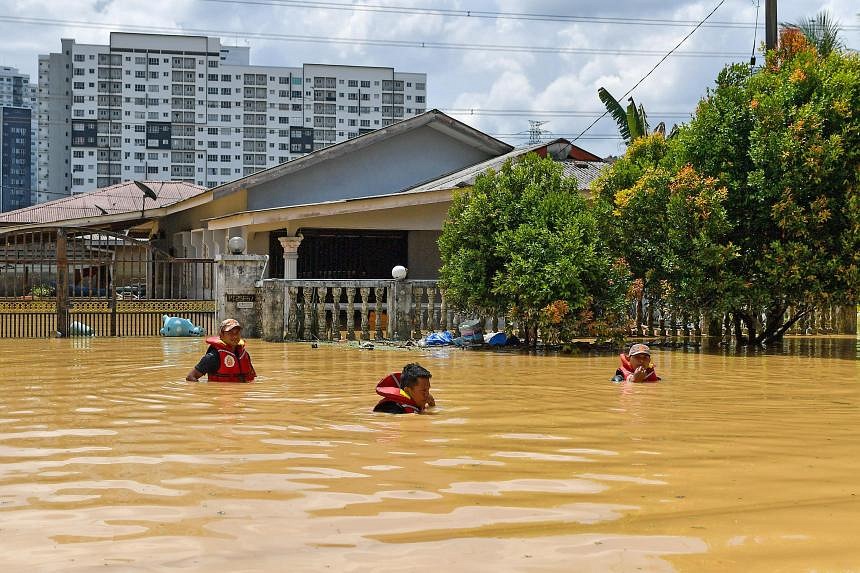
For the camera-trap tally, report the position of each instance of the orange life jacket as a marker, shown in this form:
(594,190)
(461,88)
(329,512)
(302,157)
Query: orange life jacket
(389,389)
(233,366)
(626,370)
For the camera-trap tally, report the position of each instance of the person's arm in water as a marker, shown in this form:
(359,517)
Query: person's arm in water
(209,363)
(194,375)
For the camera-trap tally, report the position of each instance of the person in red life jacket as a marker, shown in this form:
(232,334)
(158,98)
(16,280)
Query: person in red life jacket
(226,360)
(406,392)
(636,366)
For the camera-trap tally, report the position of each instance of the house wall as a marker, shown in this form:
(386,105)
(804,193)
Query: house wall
(385,167)
(424,260)
(423,223)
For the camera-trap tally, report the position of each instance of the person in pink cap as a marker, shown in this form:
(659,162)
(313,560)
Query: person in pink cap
(226,360)
(636,366)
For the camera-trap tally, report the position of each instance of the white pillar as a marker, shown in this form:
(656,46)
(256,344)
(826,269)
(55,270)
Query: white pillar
(291,255)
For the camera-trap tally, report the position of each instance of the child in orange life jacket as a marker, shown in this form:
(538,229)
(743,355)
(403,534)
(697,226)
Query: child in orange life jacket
(636,366)
(406,392)
(226,360)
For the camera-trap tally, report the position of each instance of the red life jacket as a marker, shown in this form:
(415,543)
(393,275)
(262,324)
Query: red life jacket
(389,389)
(626,370)
(233,366)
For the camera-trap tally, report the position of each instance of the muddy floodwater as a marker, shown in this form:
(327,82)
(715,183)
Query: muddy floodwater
(110,461)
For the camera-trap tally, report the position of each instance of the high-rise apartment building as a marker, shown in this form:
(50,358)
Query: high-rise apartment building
(17,163)
(16,147)
(186,108)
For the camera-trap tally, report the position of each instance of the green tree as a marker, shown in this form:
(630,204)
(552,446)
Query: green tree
(524,242)
(785,143)
(670,225)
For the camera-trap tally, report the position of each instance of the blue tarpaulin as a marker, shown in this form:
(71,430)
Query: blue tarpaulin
(496,338)
(443,338)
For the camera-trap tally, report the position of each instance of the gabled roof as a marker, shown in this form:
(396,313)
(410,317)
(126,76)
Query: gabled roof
(117,202)
(575,161)
(433,118)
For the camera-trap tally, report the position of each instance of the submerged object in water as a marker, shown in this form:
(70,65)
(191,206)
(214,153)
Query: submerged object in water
(80,329)
(176,326)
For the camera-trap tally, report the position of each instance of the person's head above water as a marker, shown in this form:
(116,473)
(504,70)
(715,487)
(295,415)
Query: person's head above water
(231,331)
(640,355)
(415,381)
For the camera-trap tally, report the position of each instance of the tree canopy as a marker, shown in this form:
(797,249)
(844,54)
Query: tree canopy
(524,242)
(754,207)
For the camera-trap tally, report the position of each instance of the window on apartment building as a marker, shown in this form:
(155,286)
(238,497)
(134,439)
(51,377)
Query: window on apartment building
(79,57)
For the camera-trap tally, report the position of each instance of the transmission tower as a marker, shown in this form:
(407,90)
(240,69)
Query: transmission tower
(535,132)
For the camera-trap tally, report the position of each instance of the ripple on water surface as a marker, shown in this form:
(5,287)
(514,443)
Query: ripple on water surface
(734,462)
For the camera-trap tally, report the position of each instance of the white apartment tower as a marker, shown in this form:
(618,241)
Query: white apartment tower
(186,108)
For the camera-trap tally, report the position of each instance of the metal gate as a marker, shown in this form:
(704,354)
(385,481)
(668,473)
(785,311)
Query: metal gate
(82,282)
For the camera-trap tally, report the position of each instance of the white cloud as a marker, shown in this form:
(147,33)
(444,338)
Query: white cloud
(456,78)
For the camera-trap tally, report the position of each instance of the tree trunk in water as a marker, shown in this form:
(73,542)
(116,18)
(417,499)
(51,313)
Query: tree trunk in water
(639,316)
(740,339)
(650,319)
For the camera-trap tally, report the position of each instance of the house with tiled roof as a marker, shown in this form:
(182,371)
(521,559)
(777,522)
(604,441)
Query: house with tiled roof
(348,211)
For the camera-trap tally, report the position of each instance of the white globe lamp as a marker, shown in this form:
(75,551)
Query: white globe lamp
(236,245)
(399,272)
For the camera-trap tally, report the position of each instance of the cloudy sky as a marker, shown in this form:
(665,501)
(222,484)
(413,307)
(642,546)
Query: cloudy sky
(551,74)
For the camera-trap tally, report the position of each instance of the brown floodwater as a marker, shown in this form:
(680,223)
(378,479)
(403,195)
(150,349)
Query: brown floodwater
(110,461)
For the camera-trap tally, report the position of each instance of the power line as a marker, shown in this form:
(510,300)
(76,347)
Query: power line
(483,14)
(684,39)
(368,41)
(547,112)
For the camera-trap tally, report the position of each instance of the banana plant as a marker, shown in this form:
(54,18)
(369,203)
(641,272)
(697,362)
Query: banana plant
(633,121)
(822,31)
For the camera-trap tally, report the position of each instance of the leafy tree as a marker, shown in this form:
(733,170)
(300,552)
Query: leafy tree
(524,242)
(670,225)
(785,144)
